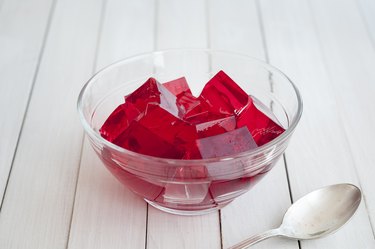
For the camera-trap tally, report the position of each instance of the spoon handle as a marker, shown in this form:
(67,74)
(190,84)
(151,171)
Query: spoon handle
(255,239)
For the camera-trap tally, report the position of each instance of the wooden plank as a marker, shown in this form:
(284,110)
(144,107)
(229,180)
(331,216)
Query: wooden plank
(22,29)
(171,231)
(350,60)
(38,202)
(182,24)
(240,30)
(106,214)
(263,206)
(321,152)
(128,30)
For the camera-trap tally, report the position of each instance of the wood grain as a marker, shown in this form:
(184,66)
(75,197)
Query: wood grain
(38,203)
(22,31)
(263,206)
(320,154)
(106,214)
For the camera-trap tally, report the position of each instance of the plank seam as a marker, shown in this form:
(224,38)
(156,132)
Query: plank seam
(101,24)
(156,24)
(102,17)
(35,76)
(146,234)
(288,179)
(208,18)
(262,32)
(267,58)
(208,44)
(264,45)
(75,193)
(368,214)
(264,42)
(290,188)
(221,230)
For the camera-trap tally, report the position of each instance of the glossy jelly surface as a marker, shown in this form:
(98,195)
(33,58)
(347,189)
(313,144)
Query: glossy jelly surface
(167,121)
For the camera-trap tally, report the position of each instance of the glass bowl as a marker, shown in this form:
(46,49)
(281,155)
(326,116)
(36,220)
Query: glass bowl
(189,187)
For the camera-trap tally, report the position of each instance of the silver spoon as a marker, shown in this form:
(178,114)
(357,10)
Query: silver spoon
(317,214)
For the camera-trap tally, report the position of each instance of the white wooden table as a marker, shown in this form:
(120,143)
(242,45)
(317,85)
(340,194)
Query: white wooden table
(55,193)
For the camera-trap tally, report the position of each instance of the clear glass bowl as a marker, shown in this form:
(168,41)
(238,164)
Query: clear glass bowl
(189,187)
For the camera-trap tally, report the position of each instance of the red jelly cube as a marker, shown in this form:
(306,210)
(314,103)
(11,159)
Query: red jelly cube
(195,110)
(118,121)
(188,105)
(158,133)
(166,120)
(177,86)
(262,128)
(171,128)
(226,144)
(152,92)
(223,95)
(139,139)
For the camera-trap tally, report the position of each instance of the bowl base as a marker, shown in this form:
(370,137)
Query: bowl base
(185,212)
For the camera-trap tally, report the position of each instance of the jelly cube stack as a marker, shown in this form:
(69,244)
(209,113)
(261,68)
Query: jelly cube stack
(168,121)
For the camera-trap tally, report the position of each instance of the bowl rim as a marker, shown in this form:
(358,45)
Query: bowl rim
(278,140)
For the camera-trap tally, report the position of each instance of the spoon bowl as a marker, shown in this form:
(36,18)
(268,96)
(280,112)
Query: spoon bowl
(321,212)
(317,214)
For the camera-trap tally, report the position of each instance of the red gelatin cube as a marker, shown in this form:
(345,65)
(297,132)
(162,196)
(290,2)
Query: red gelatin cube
(216,127)
(226,144)
(223,94)
(177,86)
(196,110)
(158,133)
(118,121)
(262,128)
(171,128)
(188,105)
(152,92)
(166,120)
(139,139)
(146,93)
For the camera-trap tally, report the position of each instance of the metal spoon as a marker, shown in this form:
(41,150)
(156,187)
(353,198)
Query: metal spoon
(317,214)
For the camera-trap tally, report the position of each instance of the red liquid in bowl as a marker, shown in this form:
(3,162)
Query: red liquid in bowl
(198,192)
